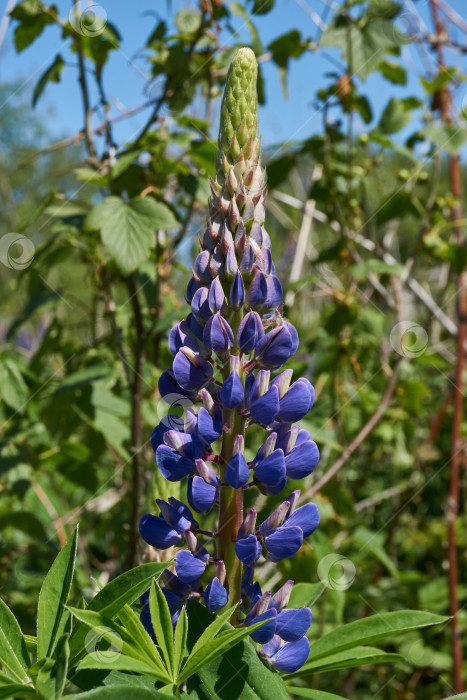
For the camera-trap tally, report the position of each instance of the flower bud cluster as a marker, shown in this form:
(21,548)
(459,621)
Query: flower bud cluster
(224,354)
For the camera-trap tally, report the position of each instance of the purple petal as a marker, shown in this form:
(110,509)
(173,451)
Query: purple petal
(291,656)
(173,517)
(250,331)
(306,518)
(271,647)
(215,595)
(248,549)
(201,269)
(201,496)
(157,533)
(200,305)
(179,336)
(172,392)
(293,623)
(188,567)
(209,427)
(217,334)
(284,543)
(173,466)
(302,460)
(265,633)
(271,471)
(190,370)
(216,297)
(266,408)
(237,292)
(231,392)
(237,472)
(297,401)
(258,291)
(275,347)
(182,510)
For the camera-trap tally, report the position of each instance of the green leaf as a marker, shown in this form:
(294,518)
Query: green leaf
(396,115)
(32,18)
(350,658)
(13,652)
(374,542)
(51,613)
(449,137)
(14,690)
(120,692)
(283,48)
(162,623)
(123,642)
(213,629)
(376,267)
(239,672)
(13,389)
(188,21)
(109,660)
(51,677)
(370,629)
(236,8)
(305,594)
(180,647)
(314,694)
(51,75)
(262,7)
(393,72)
(396,206)
(133,625)
(123,590)
(128,229)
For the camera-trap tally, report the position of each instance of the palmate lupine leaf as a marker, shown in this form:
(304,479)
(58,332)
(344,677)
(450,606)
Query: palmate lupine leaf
(162,623)
(350,658)
(123,590)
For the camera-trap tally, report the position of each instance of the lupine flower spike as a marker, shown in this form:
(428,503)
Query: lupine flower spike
(226,352)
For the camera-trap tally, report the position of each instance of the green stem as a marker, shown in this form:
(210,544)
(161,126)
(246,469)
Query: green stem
(230,509)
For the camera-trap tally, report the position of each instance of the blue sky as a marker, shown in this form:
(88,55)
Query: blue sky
(126,75)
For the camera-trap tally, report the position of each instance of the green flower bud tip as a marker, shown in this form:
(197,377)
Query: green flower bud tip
(239,109)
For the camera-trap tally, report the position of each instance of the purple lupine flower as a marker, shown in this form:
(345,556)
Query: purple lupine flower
(224,351)
(288,657)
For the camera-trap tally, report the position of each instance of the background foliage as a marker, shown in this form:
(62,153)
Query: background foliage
(361,217)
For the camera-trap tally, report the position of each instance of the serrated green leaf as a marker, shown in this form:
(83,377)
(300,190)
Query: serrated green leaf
(128,229)
(51,613)
(162,622)
(370,629)
(14,655)
(51,75)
